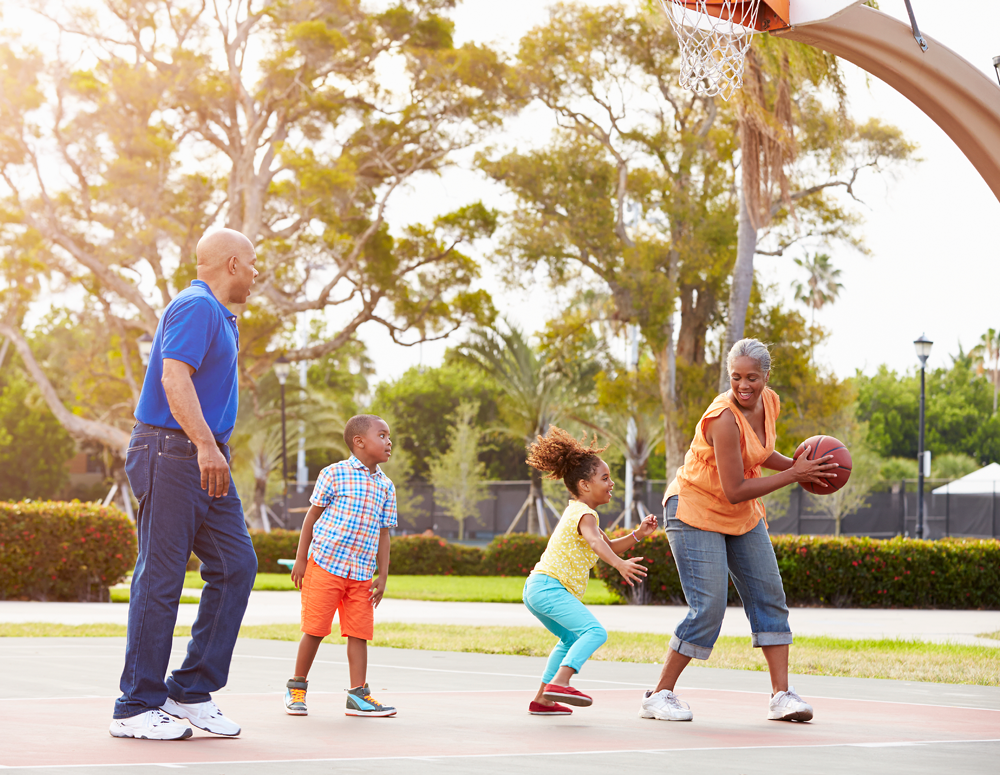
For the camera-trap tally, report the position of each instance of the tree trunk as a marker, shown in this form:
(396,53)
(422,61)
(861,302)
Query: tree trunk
(535,492)
(739,290)
(666,367)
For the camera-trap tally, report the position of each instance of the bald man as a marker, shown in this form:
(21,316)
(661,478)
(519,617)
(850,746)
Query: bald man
(178,466)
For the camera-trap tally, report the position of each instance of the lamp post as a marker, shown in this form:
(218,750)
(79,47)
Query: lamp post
(145,344)
(923,348)
(282,367)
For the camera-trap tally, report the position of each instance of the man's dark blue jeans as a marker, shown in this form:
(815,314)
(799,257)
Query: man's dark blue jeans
(176,516)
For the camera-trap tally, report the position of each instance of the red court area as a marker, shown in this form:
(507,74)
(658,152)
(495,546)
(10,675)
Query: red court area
(482,724)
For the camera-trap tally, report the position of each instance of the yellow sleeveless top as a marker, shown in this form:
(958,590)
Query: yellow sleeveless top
(702,502)
(568,557)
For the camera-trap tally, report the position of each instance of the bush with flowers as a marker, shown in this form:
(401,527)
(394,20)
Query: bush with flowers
(53,550)
(848,572)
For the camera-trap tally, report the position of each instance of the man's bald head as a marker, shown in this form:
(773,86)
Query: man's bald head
(226,261)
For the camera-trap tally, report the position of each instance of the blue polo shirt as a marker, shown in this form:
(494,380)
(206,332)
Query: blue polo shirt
(196,328)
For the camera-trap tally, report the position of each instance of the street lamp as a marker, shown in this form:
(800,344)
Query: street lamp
(145,344)
(282,367)
(923,348)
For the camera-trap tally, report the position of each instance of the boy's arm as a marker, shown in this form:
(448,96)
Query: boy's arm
(382,558)
(305,538)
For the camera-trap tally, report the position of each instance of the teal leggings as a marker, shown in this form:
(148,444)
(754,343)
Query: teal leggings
(579,633)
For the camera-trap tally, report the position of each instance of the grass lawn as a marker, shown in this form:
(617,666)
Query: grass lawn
(474,589)
(895,659)
(121,596)
(993,635)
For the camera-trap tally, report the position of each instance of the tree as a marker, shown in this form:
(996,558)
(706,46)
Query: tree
(794,151)
(457,474)
(821,287)
(986,355)
(34,448)
(866,473)
(109,175)
(535,393)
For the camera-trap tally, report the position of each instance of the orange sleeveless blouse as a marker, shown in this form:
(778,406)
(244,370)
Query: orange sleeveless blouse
(702,502)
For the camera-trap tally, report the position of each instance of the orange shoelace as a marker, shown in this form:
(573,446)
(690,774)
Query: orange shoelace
(298,695)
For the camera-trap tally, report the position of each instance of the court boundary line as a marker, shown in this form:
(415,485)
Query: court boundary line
(432,757)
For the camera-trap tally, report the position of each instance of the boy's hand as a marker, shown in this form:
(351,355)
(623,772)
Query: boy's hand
(648,526)
(298,572)
(377,590)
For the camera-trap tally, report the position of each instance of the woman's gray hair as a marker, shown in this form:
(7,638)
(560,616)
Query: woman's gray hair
(750,348)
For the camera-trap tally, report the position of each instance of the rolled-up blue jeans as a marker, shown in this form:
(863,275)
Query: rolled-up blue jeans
(176,516)
(579,632)
(705,561)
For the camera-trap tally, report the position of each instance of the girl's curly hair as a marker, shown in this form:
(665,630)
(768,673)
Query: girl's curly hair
(563,457)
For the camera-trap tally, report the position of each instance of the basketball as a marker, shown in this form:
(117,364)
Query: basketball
(821,447)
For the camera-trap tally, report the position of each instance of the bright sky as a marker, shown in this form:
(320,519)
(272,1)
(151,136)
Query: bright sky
(934,266)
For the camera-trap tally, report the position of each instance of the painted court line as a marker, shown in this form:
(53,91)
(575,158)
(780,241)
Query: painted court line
(618,751)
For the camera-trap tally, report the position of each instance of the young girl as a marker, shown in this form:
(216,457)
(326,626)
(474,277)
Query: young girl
(558,581)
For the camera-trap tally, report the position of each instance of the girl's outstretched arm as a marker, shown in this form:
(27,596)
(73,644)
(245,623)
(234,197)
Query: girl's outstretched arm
(631,569)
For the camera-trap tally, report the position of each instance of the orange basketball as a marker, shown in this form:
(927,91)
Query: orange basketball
(821,447)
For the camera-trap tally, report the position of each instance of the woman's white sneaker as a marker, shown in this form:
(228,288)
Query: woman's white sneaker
(788,706)
(665,706)
(204,715)
(151,725)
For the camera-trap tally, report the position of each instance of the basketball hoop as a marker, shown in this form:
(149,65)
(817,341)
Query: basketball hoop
(713,36)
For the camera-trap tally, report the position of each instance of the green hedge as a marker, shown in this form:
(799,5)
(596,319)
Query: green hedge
(848,572)
(273,546)
(513,555)
(52,550)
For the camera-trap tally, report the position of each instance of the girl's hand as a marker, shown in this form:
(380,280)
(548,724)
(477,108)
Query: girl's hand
(298,572)
(631,570)
(814,471)
(647,527)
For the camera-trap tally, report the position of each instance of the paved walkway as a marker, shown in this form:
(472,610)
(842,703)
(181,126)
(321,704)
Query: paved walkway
(283,607)
(462,713)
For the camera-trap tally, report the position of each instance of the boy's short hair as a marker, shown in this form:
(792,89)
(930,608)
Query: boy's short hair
(357,426)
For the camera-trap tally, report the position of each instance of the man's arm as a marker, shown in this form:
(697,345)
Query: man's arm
(182,399)
(382,559)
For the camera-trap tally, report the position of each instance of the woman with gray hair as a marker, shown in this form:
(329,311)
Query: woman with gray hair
(716,528)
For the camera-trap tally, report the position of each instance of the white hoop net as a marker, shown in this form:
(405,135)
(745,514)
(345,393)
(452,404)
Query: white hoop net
(713,48)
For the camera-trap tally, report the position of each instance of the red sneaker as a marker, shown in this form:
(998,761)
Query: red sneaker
(567,694)
(537,709)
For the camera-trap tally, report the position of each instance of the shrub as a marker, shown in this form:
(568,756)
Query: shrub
(271,547)
(52,550)
(847,572)
(514,554)
(467,560)
(420,555)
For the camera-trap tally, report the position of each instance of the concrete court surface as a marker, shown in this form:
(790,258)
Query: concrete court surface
(283,607)
(462,713)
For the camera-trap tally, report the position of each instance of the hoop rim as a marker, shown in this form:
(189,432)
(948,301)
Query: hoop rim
(772,14)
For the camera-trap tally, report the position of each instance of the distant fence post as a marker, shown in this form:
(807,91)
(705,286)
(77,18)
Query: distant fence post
(902,507)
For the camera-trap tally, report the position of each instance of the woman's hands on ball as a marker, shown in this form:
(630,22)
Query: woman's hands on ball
(815,471)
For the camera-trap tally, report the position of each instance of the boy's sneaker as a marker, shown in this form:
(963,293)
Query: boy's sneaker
(361,703)
(295,697)
(665,706)
(555,709)
(567,694)
(204,715)
(151,725)
(788,706)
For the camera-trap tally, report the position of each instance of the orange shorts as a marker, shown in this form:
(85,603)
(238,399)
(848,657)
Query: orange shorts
(323,594)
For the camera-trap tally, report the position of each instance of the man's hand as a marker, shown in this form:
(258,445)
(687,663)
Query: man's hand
(377,590)
(214,471)
(298,572)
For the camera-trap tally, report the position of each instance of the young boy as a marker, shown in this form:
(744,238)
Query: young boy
(344,537)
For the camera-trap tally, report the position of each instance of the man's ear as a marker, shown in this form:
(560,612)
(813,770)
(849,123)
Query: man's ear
(231,264)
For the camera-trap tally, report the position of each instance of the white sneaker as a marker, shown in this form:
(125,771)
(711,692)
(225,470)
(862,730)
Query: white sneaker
(204,715)
(788,706)
(151,725)
(665,706)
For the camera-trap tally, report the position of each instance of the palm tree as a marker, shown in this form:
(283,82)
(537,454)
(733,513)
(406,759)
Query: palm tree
(986,356)
(535,393)
(821,288)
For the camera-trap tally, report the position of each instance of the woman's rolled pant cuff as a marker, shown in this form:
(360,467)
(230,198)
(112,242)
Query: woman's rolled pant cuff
(692,650)
(771,639)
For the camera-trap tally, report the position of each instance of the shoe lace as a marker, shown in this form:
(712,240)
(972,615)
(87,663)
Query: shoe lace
(158,717)
(373,701)
(792,695)
(674,701)
(298,695)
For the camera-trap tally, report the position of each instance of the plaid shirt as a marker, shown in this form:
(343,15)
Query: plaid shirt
(357,504)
